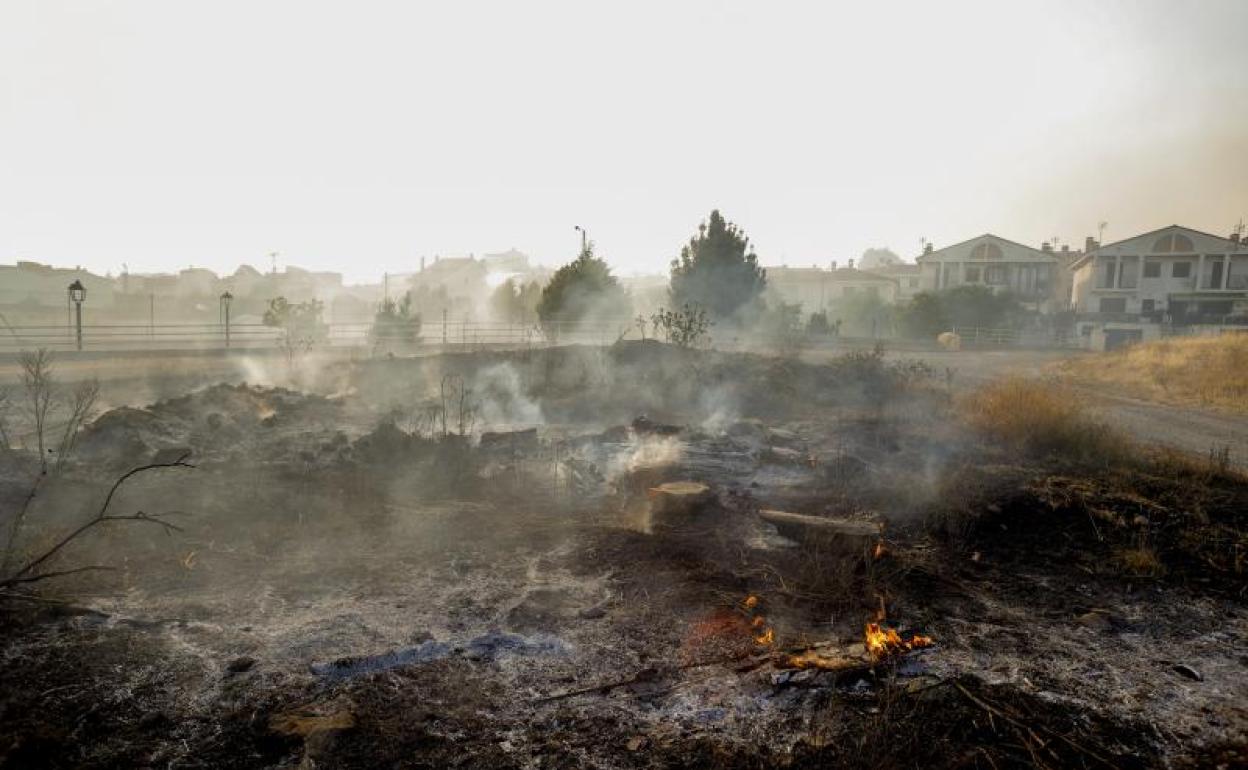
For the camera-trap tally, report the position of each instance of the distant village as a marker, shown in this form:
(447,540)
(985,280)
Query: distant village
(1133,289)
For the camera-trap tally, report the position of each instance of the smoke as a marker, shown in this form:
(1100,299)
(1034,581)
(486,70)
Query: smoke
(501,400)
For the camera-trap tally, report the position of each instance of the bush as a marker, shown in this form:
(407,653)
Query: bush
(395,323)
(1041,419)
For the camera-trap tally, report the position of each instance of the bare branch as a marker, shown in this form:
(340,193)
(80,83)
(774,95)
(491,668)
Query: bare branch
(13,581)
(103,515)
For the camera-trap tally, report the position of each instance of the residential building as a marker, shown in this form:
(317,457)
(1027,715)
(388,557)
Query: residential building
(816,288)
(906,275)
(1030,275)
(1149,284)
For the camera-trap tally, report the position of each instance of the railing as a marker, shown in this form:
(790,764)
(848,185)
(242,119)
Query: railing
(200,336)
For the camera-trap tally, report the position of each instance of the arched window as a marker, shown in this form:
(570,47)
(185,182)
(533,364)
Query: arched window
(986,251)
(1174,243)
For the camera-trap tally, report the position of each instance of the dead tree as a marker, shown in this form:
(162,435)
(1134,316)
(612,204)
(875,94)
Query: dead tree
(38,383)
(28,573)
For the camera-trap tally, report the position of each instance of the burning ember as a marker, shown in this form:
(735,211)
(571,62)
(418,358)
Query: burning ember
(885,642)
(764,634)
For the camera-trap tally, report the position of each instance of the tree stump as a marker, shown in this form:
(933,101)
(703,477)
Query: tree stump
(819,531)
(677,505)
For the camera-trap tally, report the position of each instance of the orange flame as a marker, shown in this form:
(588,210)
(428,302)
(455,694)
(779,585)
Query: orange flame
(884,642)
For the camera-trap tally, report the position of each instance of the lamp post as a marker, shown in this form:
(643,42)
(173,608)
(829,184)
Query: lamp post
(584,237)
(78,293)
(226,299)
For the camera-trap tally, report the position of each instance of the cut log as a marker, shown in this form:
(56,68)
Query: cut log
(678,504)
(822,531)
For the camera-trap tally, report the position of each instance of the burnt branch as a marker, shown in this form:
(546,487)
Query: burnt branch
(101,517)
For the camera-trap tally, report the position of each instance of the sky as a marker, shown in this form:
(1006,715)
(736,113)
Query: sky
(359,136)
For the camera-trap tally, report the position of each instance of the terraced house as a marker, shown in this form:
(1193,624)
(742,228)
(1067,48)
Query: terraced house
(1172,280)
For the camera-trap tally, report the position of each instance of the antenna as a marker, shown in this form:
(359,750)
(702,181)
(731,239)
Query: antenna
(1239,228)
(273,261)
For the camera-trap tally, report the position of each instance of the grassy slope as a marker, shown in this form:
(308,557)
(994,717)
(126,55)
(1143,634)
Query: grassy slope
(1207,371)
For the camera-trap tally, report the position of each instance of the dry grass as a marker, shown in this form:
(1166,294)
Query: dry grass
(1190,370)
(1041,418)
(1140,561)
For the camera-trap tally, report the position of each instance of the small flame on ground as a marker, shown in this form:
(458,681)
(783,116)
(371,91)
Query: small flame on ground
(766,635)
(884,642)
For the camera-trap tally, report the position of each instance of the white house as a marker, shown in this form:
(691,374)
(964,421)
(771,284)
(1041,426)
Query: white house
(817,289)
(1031,275)
(1142,286)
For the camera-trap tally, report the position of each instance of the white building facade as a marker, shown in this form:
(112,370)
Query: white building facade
(1030,275)
(1151,284)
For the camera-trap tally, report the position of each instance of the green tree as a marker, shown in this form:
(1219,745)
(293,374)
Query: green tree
(864,314)
(583,290)
(395,323)
(967,306)
(718,270)
(923,317)
(301,320)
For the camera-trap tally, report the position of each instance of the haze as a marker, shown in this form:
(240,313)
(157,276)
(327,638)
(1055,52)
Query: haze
(358,137)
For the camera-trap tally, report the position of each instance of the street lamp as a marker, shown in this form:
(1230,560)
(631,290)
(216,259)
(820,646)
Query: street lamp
(584,237)
(78,293)
(226,299)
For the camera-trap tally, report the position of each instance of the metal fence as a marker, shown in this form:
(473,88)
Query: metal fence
(217,336)
(191,337)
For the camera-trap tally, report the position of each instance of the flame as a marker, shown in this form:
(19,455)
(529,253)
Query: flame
(766,635)
(879,550)
(884,642)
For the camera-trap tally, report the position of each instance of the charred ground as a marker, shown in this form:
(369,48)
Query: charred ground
(448,561)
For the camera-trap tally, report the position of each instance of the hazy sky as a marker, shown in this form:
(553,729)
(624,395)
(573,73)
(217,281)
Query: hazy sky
(358,136)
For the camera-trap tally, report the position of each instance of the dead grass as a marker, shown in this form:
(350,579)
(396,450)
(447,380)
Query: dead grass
(1189,370)
(1042,419)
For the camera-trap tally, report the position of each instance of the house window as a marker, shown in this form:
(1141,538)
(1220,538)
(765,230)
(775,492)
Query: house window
(1152,269)
(1181,270)
(1128,272)
(1109,276)
(994,275)
(972,274)
(1147,305)
(986,251)
(1113,304)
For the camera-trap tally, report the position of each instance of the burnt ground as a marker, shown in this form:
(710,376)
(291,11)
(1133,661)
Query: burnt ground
(350,587)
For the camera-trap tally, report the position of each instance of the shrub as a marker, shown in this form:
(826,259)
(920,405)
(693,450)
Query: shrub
(1041,418)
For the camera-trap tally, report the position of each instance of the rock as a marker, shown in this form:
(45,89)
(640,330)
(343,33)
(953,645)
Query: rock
(510,441)
(592,613)
(1189,672)
(240,664)
(153,720)
(171,454)
(1095,620)
(644,426)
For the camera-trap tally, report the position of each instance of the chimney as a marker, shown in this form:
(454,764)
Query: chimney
(834,264)
(1235,239)
(927,248)
(1046,247)
(851,264)
(1090,244)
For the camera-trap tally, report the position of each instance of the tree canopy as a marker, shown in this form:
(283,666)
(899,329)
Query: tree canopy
(583,290)
(718,270)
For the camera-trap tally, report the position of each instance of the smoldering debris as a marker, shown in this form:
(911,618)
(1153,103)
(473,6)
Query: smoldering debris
(413,587)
